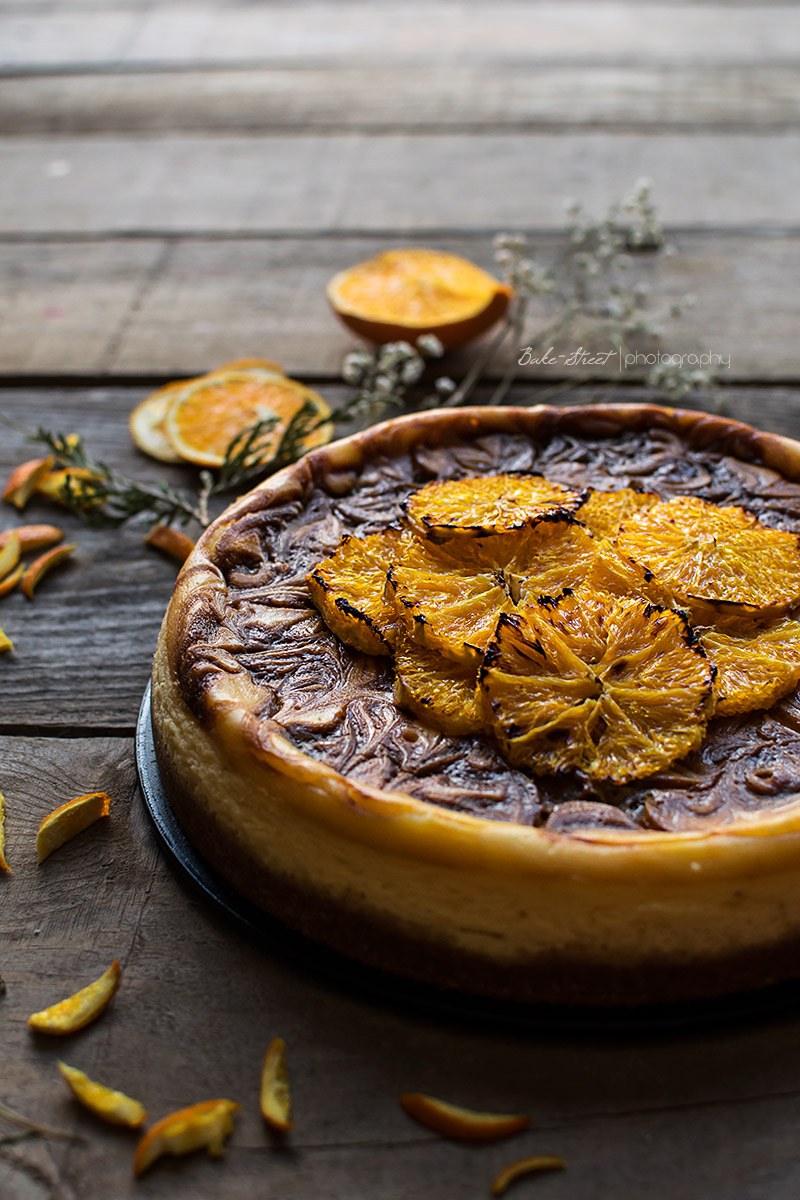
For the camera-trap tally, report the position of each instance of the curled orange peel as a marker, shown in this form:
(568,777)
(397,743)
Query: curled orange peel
(69,820)
(524,1166)
(41,565)
(53,483)
(9,553)
(112,1106)
(33,537)
(10,581)
(275,1098)
(3,864)
(79,1010)
(462,1123)
(206,1124)
(5,642)
(24,481)
(171,540)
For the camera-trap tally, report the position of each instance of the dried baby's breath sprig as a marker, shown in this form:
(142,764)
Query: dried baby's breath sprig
(385,376)
(27,1126)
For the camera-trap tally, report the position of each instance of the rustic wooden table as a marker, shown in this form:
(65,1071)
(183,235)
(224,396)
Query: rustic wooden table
(178,181)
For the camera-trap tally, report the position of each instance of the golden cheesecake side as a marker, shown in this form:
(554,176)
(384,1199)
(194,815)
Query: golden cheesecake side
(593,916)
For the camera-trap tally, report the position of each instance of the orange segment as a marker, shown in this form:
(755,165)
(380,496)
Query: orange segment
(493,504)
(533,1165)
(209,413)
(613,686)
(204,1125)
(440,692)
(275,1098)
(69,820)
(401,294)
(754,669)
(348,589)
(714,557)
(452,1121)
(81,1009)
(112,1106)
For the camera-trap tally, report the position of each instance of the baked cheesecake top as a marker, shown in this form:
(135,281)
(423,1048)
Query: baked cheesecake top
(336,704)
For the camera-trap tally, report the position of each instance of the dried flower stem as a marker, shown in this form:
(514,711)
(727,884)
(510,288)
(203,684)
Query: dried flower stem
(38,1127)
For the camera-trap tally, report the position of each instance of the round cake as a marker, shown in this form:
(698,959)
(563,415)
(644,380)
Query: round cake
(317,760)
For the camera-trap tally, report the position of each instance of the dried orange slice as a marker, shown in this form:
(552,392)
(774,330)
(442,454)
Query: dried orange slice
(754,669)
(33,537)
(452,1121)
(36,571)
(147,423)
(714,558)
(612,686)
(69,820)
(533,1165)
(440,692)
(604,512)
(112,1106)
(24,481)
(401,294)
(209,413)
(171,540)
(79,1010)
(489,505)
(204,1125)
(3,864)
(275,1097)
(348,589)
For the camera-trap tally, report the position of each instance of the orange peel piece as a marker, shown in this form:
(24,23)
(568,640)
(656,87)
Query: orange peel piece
(24,481)
(70,819)
(33,537)
(112,1106)
(10,582)
(172,541)
(79,1010)
(274,1096)
(40,567)
(461,1123)
(204,1125)
(53,483)
(401,294)
(534,1164)
(3,864)
(9,553)
(6,643)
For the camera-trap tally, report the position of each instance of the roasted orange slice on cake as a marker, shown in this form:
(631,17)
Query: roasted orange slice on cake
(402,294)
(612,686)
(718,561)
(349,587)
(442,693)
(754,667)
(493,504)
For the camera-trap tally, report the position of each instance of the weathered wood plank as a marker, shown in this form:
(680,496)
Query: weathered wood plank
(84,646)
(405,183)
(713,1113)
(167,307)
(409,32)
(464,97)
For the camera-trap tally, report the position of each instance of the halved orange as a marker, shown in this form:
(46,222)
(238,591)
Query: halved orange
(402,294)
(611,686)
(492,504)
(440,692)
(754,669)
(714,559)
(205,416)
(348,589)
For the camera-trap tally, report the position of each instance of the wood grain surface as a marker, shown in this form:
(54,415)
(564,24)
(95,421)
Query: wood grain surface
(179,180)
